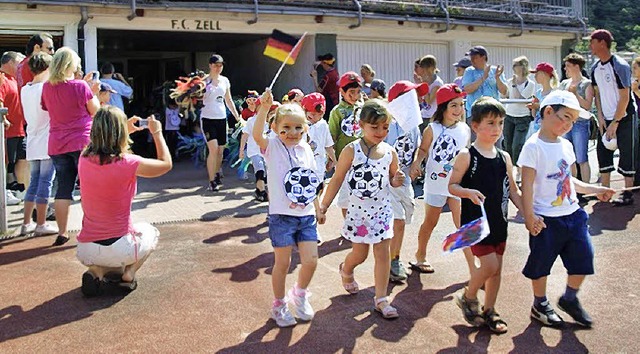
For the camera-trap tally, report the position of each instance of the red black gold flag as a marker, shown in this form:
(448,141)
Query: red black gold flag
(280,45)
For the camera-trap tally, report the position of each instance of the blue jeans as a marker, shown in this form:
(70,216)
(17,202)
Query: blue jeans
(42,174)
(579,137)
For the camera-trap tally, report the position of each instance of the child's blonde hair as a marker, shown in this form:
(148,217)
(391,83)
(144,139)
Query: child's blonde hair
(65,61)
(289,110)
(374,111)
(109,137)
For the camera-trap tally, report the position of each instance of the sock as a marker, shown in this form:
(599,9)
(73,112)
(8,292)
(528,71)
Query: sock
(570,293)
(278,302)
(298,291)
(537,300)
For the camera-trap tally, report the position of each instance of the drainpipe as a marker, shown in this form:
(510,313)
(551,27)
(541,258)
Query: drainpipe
(84,17)
(443,4)
(133,11)
(357,3)
(516,11)
(255,13)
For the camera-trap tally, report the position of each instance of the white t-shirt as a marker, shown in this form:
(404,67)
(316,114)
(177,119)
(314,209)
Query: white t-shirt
(252,147)
(37,122)
(526,89)
(319,140)
(445,146)
(279,160)
(553,191)
(427,109)
(214,106)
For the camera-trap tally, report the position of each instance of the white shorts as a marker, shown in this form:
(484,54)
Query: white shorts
(343,195)
(403,203)
(128,250)
(437,200)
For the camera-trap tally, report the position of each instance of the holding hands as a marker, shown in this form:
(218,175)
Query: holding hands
(534,224)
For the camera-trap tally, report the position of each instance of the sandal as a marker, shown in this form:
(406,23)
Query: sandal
(129,285)
(60,240)
(348,282)
(385,309)
(495,323)
(422,267)
(90,285)
(470,309)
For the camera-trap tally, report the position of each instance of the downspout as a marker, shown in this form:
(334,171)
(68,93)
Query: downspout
(255,13)
(516,11)
(359,6)
(444,7)
(133,11)
(84,17)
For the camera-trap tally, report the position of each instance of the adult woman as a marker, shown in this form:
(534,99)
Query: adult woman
(425,70)
(368,74)
(213,118)
(579,134)
(516,123)
(109,241)
(328,85)
(71,103)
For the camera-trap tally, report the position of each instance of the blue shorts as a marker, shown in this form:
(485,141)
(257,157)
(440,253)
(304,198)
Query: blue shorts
(287,230)
(565,236)
(579,137)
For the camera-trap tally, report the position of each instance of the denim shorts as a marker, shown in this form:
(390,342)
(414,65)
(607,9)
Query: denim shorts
(67,171)
(42,174)
(565,236)
(287,230)
(579,137)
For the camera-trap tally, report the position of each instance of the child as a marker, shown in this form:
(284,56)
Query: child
(172,126)
(482,174)
(547,78)
(319,137)
(402,198)
(378,89)
(556,222)
(442,140)
(343,122)
(371,165)
(292,216)
(105,93)
(253,152)
(250,100)
(293,96)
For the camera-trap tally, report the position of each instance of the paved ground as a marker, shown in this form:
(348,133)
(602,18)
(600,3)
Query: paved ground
(207,288)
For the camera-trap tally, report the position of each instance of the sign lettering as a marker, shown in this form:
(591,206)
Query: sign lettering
(197,25)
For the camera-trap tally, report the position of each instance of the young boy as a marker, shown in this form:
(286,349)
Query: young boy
(556,223)
(104,96)
(402,198)
(344,123)
(250,100)
(482,175)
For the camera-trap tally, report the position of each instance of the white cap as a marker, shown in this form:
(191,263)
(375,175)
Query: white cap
(564,98)
(610,144)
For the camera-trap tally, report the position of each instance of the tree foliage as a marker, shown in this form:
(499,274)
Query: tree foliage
(621,17)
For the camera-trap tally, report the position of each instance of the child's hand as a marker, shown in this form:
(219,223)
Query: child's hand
(604,194)
(322,209)
(415,171)
(476,197)
(534,224)
(321,217)
(266,100)
(399,177)
(330,165)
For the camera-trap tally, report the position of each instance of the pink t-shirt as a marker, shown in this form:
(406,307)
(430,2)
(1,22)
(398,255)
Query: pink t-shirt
(70,120)
(107,192)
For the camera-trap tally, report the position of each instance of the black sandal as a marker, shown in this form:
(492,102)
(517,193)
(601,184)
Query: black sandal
(60,240)
(90,285)
(493,320)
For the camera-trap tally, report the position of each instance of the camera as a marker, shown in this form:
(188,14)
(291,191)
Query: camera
(143,123)
(95,76)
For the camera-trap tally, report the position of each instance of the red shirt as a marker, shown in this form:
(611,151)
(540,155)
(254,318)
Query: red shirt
(11,100)
(329,86)
(247,113)
(24,75)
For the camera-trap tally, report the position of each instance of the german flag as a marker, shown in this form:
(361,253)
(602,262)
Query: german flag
(280,45)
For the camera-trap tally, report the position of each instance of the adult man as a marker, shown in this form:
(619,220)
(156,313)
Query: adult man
(482,79)
(611,80)
(37,43)
(460,66)
(328,86)
(17,168)
(117,83)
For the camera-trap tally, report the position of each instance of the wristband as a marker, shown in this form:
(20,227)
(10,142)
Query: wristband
(157,131)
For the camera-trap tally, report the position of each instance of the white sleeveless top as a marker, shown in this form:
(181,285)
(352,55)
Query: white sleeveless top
(445,146)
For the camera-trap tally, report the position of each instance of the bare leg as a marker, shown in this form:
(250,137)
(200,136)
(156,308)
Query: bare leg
(492,285)
(212,159)
(539,287)
(28,210)
(585,172)
(358,254)
(41,213)
(22,172)
(99,272)
(61,207)
(605,179)
(219,159)
(628,182)
(398,236)
(280,269)
(431,217)
(308,262)
(129,273)
(489,265)
(382,267)
(575,281)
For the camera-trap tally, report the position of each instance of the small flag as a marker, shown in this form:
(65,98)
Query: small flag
(280,45)
(468,235)
(406,110)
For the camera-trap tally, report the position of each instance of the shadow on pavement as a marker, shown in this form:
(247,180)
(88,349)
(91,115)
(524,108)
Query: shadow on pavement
(606,216)
(247,209)
(251,234)
(63,309)
(30,253)
(531,340)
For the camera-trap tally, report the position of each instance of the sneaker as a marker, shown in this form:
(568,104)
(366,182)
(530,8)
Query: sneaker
(11,199)
(218,179)
(301,306)
(28,228)
(320,240)
(283,316)
(46,229)
(213,186)
(397,272)
(575,310)
(20,194)
(90,285)
(470,309)
(546,315)
(626,198)
(261,196)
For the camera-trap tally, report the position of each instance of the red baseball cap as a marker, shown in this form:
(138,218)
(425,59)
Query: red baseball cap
(544,67)
(348,78)
(295,92)
(311,102)
(448,92)
(405,86)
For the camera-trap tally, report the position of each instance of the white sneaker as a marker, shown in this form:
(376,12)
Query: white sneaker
(282,316)
(301,305)
(11,199)
(20,194)
(46,229)
(27,228)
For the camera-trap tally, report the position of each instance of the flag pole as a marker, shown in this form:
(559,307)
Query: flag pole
(285,61)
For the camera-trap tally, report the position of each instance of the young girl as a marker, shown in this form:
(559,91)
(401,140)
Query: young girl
(547,78)
(294,95)
(441,142)
(251,101)
(370,165)
(483,175)
(292,215)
